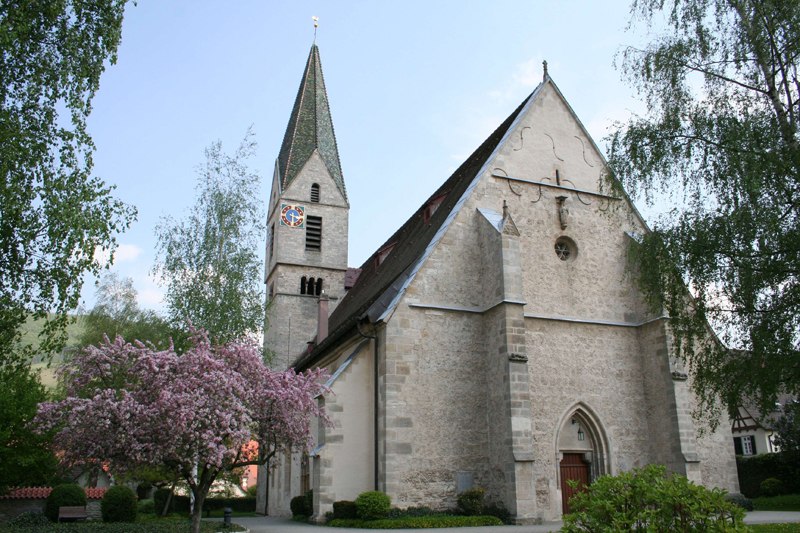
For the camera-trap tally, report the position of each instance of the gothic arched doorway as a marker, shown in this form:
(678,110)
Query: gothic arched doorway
(582,452)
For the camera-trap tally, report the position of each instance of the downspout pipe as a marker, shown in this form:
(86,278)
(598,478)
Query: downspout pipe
(374,339)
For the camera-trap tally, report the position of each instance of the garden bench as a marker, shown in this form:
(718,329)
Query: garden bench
(74,512)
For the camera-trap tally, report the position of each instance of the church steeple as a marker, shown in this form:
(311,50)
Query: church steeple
(310,128)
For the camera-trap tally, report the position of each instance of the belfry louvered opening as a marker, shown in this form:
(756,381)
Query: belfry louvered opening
(313,233)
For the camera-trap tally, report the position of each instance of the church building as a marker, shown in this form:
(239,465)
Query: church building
(497,339)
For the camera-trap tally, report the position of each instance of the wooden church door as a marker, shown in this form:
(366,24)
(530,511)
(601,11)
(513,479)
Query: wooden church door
(572,467)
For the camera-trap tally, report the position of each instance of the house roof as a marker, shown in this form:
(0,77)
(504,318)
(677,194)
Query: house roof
(381,281)
(40,493)
(749,416)
(310,128)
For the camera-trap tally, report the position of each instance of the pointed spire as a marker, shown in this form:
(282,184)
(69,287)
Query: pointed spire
(310,128)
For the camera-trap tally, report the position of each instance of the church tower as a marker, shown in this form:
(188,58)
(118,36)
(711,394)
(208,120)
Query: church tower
(307,222)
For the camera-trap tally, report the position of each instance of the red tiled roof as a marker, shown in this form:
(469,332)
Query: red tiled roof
(40,493)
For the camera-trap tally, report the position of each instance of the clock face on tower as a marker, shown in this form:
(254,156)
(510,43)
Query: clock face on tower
(292,215)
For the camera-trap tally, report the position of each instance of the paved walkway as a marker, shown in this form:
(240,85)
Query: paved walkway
(269,524)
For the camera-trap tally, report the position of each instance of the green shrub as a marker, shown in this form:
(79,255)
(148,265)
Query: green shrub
(147,506)
(419,522)
(345,509)
(408,512)
(649,499)
(753,470)
(251,491)
(372,505)
(498,510)
(119,505)
(61,496)
(470,502)
(740,500)
(771,487)
(160,497)
(298,506)
(784,502)
(29,519)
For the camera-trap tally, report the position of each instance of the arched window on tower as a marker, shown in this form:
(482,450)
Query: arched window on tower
(315,192)
(318,287)
(303,285)
(310,287)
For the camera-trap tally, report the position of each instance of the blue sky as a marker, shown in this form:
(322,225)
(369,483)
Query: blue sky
(414,88)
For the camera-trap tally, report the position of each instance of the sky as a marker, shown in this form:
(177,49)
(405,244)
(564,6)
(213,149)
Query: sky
(414,87)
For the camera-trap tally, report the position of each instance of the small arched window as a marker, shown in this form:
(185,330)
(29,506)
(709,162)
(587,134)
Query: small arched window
(303,285)
(318,287)
(315,192)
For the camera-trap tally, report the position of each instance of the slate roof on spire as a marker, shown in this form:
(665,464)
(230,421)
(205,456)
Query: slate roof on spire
(310,128)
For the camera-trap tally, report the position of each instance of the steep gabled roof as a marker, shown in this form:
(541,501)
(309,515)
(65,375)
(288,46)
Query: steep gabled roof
(380,281)
(310,128)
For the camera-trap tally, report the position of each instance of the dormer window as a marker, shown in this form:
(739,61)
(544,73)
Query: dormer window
(315,192)
(383,253)
(431,207)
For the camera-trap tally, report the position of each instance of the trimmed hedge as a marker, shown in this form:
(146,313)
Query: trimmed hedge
(373,505)
(419,522)
(239,505)
(345,510)
(119,505)
(753,470)
(68,494)
(162,526)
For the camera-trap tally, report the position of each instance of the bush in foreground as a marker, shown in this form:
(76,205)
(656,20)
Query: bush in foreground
(345,509)
(648,499)
(119,505)
(65,495)
(470,502)
(373,505)
(419,522)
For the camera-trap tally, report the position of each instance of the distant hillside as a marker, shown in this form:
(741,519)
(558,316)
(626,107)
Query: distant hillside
(47,372)
(32,328)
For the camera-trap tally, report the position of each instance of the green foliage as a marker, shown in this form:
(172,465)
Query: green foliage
(164,501)
(498,510)
(239,505)
(755,469)
(298,506)
(119,505)
(721,139)
(345,509)
(408,512)
(153,526)
(373,504)
(470,502)
(419,522)
(773,528)
(787,427)
(784,502)
(25,457)
(771,487)
(54,213)
(649,500)
(208,260)
(117,312)
(147,506)
(251,491)
(64,495)
(29,519)
(740,500)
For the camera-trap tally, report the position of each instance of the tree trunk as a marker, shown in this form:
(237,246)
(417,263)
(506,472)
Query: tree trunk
(197,512)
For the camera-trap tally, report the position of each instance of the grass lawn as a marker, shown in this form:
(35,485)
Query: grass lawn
(785,502)
(775,528)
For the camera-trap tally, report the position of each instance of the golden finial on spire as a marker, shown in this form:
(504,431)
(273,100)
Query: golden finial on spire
(316,25)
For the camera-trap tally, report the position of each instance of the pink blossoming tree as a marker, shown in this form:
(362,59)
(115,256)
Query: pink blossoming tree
(133,407)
